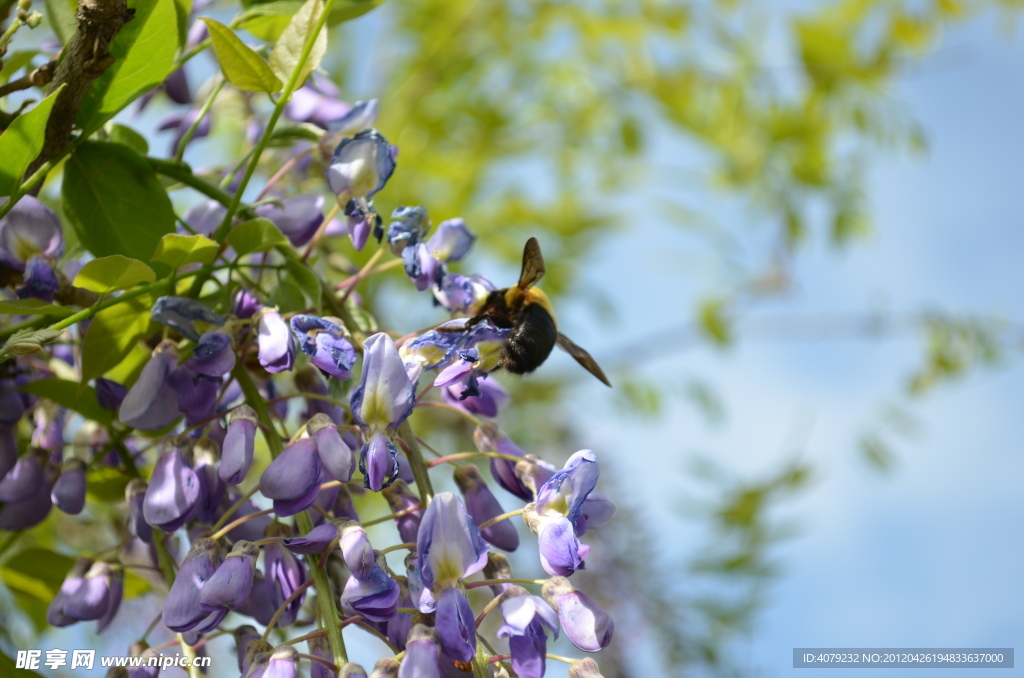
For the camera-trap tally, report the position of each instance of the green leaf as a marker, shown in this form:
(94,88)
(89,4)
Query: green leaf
(112,334)
(255,235)
(74,396)
(109,274)
(143,52)
(306,280)
(43,566)
(26,342)
(21,143)
(288,49)
(287,297)
(714,321)
(33,307)
(114,201)
(106,484)
(177,250)
(244,68)
(15,61)
(122,134)
(61,15)
(267,20)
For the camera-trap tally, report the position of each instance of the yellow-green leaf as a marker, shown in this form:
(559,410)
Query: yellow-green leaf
(288,48)
(244,68)
(116,272)
(112,335)
(255,235)
(177,250)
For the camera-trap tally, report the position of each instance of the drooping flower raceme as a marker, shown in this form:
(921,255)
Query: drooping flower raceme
(384,399)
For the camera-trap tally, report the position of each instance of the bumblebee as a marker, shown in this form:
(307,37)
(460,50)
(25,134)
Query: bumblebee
(527,311)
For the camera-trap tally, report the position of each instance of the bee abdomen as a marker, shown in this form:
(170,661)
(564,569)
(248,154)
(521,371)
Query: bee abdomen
(531,340)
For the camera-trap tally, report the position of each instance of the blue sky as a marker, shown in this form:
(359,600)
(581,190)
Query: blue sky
(928,555)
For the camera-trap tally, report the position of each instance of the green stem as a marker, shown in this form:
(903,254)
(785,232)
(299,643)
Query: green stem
(183,173)
(417,463)
(286,93)
(324,597)
(190,132)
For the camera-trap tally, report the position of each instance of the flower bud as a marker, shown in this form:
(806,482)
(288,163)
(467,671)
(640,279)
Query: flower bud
(298,218)
(213,356)
(91,599)
(284,575)
(335,456)
(317,541)
(244,637)
(182,313)
(135,494)
(585,668)
(25,479)
(239,443)
(182,609)
(173,492)
(374,596)
(68,493)
(385,668)
(293,479)
(351,670)
(587,625)
(284,663)
(482,506)
(55,615)
(231,584)
(421,654)
(356,549)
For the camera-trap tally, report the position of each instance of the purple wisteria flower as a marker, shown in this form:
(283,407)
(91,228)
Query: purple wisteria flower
(421,654)
(151,403)
(212,356)
(361,166)
(231,584)
(277,348)
(245,304)
(384,399)
(110,394)
(449,548)
(525,618)
(425,261)
(409,228)
(293,479)
(441,346)
(68,494)
(587,625)
(557,518)
(325,344)
(30,229)
(40,280)
(182,313)
(482,507)
(25,479)
(182,609)
(284,575)
(402,501)
(135,494)
(91,600)
(298,218)
(371,592)
(462,294)
(73,580)
(489,438)
(316,102)
(205,217)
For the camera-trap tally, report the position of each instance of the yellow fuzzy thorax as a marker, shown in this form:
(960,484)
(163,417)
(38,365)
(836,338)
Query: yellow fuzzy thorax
(515,299)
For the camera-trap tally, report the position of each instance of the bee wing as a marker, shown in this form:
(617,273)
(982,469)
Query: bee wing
(533,265)
(583,358)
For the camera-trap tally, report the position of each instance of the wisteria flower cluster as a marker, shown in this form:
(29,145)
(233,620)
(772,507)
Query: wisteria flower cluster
(247,505)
